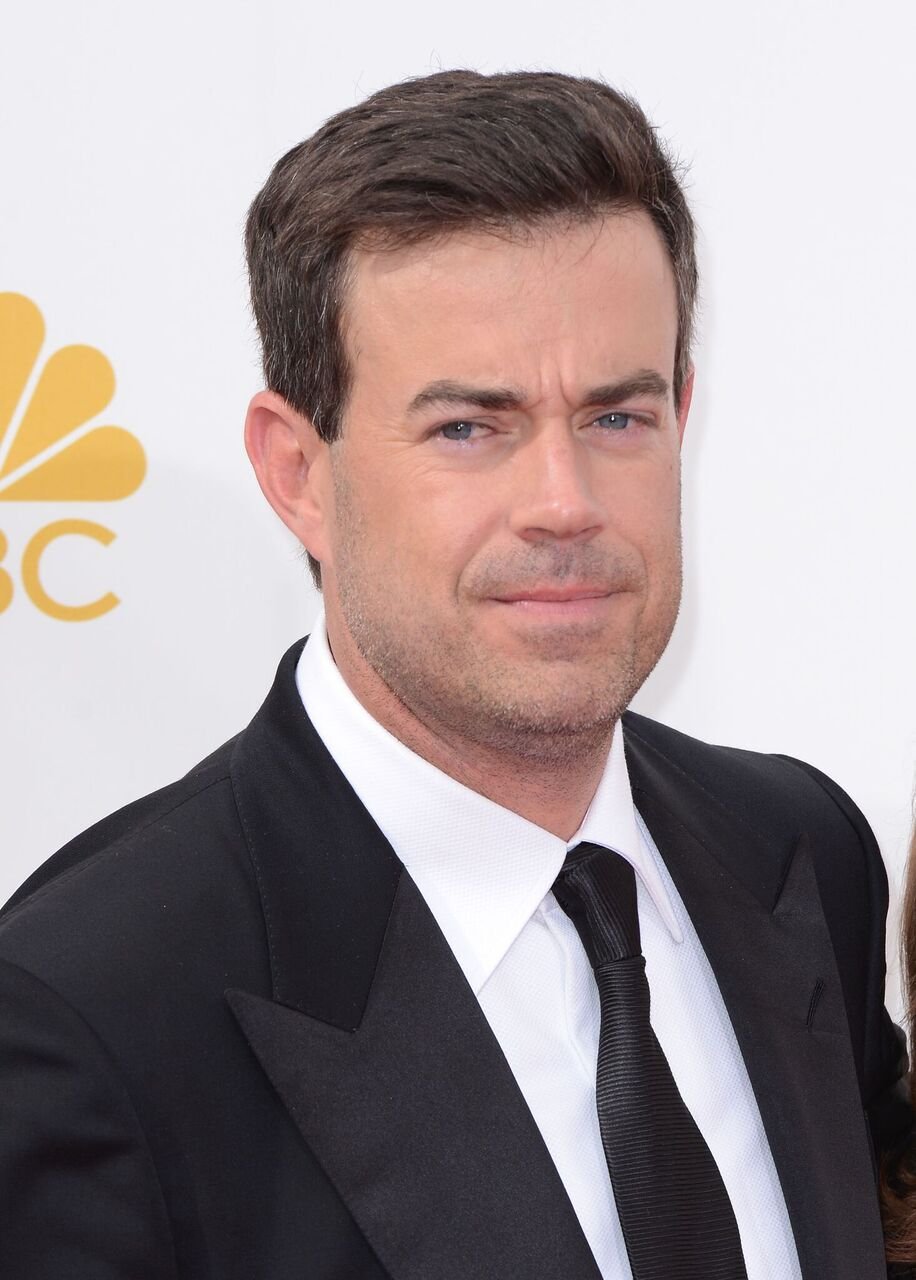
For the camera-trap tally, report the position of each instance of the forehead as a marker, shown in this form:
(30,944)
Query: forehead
(597,297)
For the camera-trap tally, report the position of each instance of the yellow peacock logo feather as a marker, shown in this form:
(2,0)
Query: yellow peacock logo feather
(50,458)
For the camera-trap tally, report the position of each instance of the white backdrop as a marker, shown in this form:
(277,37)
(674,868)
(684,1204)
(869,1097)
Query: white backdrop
(132,139)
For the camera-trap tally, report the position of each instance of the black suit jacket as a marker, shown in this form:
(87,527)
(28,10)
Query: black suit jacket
(234,1044)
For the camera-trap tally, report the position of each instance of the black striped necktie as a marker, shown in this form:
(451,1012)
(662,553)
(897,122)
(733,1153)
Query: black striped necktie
(677,1219)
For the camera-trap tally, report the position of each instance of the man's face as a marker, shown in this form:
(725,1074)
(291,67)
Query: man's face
(503,546)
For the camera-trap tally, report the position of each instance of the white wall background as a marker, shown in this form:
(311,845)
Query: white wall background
(132,139)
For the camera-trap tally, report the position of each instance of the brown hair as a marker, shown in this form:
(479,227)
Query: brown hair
(428,156)
(898,1172)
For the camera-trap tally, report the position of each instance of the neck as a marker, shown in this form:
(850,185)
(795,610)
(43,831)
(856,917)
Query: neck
(550,782)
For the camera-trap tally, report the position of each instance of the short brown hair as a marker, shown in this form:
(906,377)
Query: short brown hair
(419,159)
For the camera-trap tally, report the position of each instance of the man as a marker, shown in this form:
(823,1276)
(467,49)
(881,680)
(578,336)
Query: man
(365,994)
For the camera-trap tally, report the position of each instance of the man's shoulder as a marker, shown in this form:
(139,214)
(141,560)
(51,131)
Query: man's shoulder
(770,793)
(140,874)
(757,814)
(116,954)
(166,812)
(168,893)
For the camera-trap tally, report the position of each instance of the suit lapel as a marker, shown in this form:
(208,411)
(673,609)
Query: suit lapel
(758,914)
(382,1056)
(373,1039)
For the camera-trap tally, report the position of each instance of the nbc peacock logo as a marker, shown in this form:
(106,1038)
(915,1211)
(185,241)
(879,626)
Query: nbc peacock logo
(52,450)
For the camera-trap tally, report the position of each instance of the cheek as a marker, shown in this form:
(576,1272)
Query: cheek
(646,512)
(398,530)
(443,519)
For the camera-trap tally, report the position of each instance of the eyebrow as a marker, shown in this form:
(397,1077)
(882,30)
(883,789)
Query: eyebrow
(445,391)
(645,382)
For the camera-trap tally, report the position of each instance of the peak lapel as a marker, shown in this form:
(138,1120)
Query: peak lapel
(373,1039)
(418,1122)
(758,914)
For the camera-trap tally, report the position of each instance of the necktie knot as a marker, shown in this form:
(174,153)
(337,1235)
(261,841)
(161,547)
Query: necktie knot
(597,890)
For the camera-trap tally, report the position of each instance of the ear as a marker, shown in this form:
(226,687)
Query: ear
(683,408)
(292,465)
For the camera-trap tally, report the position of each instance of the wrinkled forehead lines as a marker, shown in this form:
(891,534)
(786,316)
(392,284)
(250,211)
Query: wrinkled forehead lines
(389,292)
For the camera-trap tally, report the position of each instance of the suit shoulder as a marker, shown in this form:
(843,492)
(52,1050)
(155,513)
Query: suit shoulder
(771,793)
(126,824)
(139,871)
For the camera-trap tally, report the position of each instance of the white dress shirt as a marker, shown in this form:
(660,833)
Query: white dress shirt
(486,874)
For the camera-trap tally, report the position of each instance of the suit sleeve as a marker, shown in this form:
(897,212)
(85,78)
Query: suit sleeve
(883,1054)
(79,1195)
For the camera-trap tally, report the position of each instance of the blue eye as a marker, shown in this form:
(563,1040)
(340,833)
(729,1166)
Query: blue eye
(616,421)
(458,431)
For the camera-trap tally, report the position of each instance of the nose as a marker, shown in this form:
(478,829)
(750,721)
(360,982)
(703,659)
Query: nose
(553,494)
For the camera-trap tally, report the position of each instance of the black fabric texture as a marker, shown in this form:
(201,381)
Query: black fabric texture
(423,1100)
(151,1125)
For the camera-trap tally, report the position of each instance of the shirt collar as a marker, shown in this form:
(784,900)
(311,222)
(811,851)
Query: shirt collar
(482,869)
